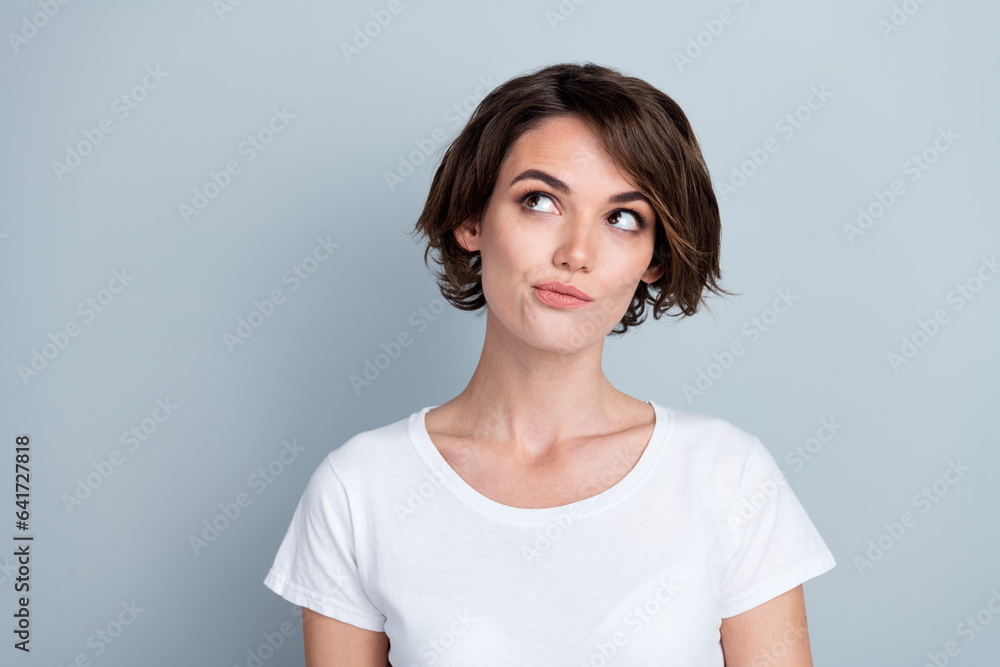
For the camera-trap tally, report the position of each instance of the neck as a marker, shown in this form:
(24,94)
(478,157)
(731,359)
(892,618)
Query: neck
(535,399)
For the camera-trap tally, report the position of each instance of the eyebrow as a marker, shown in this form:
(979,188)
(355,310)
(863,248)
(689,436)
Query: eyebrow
(556,184)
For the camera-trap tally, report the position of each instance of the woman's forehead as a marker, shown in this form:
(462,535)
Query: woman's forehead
(565,157)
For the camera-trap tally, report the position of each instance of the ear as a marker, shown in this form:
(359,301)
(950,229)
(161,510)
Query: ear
(654,273)
(468,233)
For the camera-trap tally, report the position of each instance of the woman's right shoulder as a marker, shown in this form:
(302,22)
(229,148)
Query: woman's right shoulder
(371,452)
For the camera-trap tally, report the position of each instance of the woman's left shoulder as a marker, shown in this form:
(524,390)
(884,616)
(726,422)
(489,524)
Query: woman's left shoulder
(708,434)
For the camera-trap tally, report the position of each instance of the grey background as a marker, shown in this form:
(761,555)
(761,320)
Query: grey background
(323,176)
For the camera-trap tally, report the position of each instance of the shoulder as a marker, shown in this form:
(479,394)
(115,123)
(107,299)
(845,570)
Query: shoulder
(709,436)
(372,454)
(711,451)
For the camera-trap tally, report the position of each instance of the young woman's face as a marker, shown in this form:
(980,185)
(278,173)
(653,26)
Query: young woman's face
(561,211)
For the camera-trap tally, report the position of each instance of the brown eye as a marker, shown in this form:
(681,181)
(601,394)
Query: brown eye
(533,199)
(631,220)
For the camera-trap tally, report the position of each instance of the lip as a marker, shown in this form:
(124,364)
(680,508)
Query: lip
(562,288)
(559,295)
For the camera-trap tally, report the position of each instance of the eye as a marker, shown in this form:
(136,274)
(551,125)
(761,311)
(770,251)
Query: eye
(536,202)
(632,220)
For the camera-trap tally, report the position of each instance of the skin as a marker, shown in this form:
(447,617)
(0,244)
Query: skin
(539,420)
(332,643)
(546,419)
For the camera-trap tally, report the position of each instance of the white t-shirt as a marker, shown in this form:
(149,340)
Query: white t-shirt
(388,537)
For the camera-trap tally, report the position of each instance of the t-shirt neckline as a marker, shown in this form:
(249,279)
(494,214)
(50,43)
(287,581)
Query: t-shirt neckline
(443,474)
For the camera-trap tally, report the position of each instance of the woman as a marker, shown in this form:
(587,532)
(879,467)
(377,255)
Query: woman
(542,517)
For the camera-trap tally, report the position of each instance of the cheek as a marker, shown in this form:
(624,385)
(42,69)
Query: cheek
(501,269)
(622,285)
(490,279)
(630,267)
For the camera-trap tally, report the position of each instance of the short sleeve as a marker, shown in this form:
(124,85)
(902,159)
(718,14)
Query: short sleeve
(316,565)
(779,547)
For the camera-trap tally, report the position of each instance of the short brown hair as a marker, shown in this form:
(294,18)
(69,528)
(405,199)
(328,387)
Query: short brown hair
(647,136)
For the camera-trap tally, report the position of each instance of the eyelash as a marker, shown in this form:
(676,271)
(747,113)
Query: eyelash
(640,220)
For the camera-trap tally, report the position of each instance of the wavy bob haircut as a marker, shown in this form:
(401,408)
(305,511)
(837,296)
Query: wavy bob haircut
(647,136)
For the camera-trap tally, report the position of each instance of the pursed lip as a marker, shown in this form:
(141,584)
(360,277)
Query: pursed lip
(562,288)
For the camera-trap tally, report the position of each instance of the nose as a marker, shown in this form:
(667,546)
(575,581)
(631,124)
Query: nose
(575,250)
